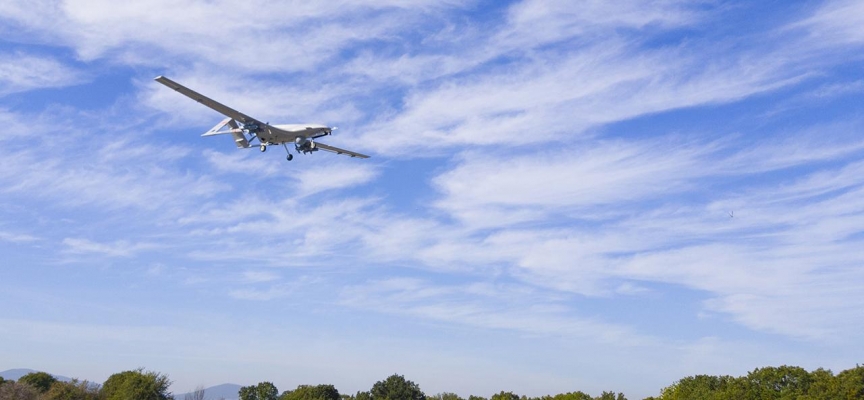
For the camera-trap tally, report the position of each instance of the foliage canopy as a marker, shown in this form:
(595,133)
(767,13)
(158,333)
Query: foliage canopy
(41,381)
(138,385)
(396,387)
(261,391)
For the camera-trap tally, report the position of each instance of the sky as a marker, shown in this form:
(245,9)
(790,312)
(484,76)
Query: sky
(562,195)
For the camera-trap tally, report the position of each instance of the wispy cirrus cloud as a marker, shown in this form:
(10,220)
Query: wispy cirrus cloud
(260,276)
(263,286)
(271,293)
(836,22)
(485,306)
(71,168)
(17,237)
(561,98)
(319,176)
(20,72)
(335,176)
(573,178)
(133,33)
(120,248)
(534,22)
(584,228)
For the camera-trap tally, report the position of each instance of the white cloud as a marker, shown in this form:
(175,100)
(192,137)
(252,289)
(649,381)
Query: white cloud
(836,22)
(334,176)
(560,98)
(120,248)
(69,167)
(582,226)
(305,232)
(288,36)
(22,72)
(536,22)
(574,177)
(485,306)
(274,292)
(16,237)
(260,276)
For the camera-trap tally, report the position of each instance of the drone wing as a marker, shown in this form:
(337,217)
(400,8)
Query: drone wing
(337,150)
(263,131)
(213,104)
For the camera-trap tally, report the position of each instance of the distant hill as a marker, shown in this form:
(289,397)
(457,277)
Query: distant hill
(16,374)
(228,391)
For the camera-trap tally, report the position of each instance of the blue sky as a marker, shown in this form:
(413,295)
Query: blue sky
(547,206)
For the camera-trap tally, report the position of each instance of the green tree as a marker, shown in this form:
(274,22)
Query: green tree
(473,397)
(571,396)
(823,386)
(699,387)
(610,396)
(2,381)
(502,395)
(736,389)
(784,382)
(137,385)
(363,396)
(396,387)
(261,391)
(308,392)
(40,381)
(850,384)
(73,390)
(445,396)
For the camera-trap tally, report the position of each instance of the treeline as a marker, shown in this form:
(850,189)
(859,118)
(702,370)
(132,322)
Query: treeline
(770,383)
(395,387)
(127,385)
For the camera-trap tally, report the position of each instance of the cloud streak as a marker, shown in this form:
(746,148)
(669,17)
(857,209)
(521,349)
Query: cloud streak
(21,72)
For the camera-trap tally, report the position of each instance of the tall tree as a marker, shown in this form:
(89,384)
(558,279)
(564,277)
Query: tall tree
(261,391)
(309,392)
(784,382)
(396,387)
(823,386)
(41,381)
(138,385)
(850,383)
(572,396)
(611,396)
(502,395)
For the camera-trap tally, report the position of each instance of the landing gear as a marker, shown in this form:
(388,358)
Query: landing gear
(290,156)
(263,148)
